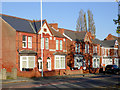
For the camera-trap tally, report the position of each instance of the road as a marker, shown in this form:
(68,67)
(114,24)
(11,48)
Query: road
(101,81)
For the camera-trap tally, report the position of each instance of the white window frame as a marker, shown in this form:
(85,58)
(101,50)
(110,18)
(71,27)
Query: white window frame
(30,42)
(57,43)
(79,48)
(60,44)
(59,61)
(26,61)
(76,47)
(46,43)
(42,44)
(24,41)
(97,64)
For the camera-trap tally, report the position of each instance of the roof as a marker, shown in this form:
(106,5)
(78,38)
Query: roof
(108,43)
(27,52)
(37,25)
(24,25)
(75,35)
(56,33)
(59,53)
(96,41)
(18,24)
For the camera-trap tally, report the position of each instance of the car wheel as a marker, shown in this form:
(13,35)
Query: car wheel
(117,73)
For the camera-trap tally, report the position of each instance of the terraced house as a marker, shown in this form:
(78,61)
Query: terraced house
(28,46)
(64,51)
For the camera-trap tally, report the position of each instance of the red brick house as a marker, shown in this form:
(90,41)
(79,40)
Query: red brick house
(28,47)
(83,50)
(109,53)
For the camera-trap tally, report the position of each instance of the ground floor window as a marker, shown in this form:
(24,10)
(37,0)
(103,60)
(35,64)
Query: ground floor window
(96,62)
(27,63)
(59,62)
(107,62)
(116,61)
(78,62)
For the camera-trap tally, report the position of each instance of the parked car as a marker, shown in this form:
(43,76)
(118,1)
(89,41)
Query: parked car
(112,69)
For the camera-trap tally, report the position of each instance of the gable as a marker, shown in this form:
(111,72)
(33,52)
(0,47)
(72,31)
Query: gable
(87,38)
(45,30)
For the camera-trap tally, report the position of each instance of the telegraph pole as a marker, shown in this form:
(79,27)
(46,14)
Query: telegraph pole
(41,40)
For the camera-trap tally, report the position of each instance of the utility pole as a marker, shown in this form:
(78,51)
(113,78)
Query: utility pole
(41,40)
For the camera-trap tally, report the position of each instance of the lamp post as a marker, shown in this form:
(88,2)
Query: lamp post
(41,40)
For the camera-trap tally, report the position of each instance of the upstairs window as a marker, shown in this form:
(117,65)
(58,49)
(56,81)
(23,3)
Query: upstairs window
(76,47)
(86,48)
(29,42)
(42,43)
(24,41)
(46,43)
(60,44)
(56,44)
(94,49)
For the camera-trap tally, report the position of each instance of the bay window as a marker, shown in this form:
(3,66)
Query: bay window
(27,63)
(59,62)
(96,63)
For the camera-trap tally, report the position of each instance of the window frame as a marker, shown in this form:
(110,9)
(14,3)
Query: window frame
(57,43)
(47,43)
(24,41)
(59,62)
(30,41)
(60,44)
(27,60)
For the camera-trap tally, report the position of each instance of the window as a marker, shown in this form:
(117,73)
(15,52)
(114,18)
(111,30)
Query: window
(86,48)
(94,49)
(108,52)
(79,48)
(103,51)
(96,63)
(40,65)
(76,47)
(60,44)
(56,44)
(29,42)
(115,52)
(42,44)
(27,63)
(46,43)
(24,41)
(59,62)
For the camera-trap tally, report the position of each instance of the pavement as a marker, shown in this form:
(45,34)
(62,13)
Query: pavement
(23,79)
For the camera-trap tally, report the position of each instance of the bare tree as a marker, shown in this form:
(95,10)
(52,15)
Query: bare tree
(91,24)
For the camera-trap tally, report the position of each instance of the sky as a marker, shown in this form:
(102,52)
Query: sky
(66,14)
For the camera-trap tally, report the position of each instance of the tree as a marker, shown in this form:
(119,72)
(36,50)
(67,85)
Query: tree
(91,24)
(82,22)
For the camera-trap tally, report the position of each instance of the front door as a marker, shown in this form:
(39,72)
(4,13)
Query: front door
(49,64)
(40,65)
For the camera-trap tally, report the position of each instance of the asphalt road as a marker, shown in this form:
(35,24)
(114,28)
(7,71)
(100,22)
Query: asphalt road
(102,81)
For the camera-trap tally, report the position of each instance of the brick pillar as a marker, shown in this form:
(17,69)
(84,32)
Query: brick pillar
(3,73)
